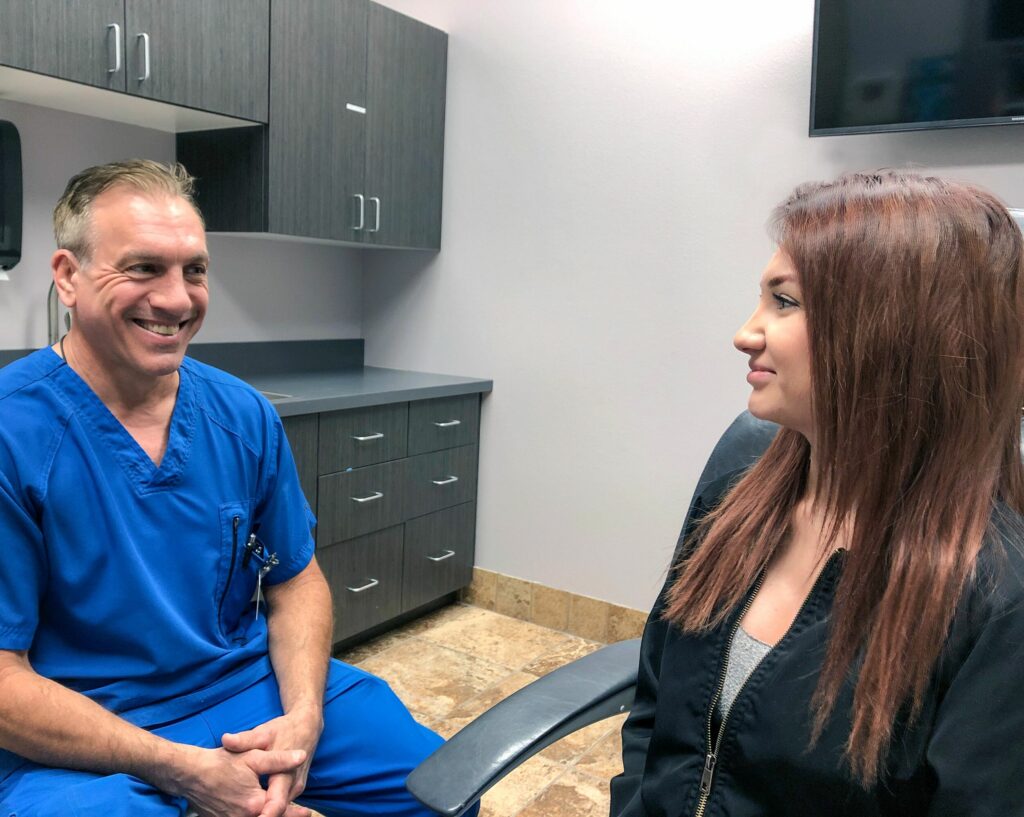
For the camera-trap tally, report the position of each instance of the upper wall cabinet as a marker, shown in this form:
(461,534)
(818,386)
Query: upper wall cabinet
(194,53)
(354,149)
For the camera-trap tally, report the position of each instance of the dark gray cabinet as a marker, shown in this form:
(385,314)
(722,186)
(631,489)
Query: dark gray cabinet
(354,149)
(365,576)
(406,78)
(209,56)
(396,527)
(80,41)
(303,433)
(315,140)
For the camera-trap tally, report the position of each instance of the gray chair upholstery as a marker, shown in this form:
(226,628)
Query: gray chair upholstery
(583,692)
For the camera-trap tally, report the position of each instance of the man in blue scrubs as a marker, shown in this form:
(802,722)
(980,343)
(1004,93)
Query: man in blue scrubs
(145,499)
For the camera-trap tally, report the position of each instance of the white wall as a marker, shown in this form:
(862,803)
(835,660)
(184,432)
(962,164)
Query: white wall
(260,289)
(608,171)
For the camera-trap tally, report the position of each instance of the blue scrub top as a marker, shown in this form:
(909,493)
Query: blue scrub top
(126,581)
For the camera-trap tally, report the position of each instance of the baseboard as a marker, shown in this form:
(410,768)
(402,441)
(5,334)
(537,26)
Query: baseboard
(572,613)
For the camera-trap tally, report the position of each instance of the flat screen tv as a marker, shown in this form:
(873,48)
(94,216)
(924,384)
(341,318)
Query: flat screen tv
(887,65)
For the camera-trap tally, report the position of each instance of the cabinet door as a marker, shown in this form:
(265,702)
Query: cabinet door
(365,577)
(439,480)
(71,40)
(406,72)
(438,554)
(356,502)
(364,436)
(210,56)
(317,133)
(302,431)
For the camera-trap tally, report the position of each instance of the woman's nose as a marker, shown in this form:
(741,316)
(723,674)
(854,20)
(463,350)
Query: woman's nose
(750,336)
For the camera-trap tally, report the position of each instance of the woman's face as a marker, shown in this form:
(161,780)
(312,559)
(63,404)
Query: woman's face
(775,339)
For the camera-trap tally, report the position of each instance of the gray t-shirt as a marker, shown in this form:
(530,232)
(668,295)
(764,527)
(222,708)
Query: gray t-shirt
(745,653)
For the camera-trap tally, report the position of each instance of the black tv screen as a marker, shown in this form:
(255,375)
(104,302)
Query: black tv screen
(884,65)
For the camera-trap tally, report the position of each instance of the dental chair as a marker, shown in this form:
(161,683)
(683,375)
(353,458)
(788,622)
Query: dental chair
(583,692)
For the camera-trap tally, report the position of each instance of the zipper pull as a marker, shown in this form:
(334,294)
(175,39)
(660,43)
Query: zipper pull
(709,772)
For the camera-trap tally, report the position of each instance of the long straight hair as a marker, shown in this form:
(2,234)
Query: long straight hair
(914,298)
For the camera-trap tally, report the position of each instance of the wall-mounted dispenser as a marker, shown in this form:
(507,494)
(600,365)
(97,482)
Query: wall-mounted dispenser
(10,195)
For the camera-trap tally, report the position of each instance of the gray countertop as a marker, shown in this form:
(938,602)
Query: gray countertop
(309,392)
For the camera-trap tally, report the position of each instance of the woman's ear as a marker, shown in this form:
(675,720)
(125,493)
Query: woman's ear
(65,271)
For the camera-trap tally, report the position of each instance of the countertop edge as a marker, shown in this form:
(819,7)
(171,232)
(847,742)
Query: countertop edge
(294,406)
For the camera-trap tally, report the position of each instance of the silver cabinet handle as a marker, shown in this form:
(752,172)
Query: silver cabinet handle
(145,56)
(378,436)
(446,555)
(376,216)
(446,480)
(448,423)
(370,498)
(362,211)
(367,586)
(117,48)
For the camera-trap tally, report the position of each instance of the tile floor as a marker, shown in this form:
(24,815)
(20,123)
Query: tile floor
(453,664)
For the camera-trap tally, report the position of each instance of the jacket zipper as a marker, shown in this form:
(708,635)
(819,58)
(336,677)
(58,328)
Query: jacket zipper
(711,757)
(235,521)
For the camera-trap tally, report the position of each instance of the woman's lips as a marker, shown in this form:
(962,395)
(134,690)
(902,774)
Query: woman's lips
(759,376)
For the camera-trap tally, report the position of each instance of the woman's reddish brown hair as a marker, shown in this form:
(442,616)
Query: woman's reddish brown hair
(913,288)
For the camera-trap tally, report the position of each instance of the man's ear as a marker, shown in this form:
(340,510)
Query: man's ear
(65,271)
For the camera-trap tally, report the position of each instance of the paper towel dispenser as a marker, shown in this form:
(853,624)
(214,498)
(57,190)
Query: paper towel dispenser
(10,195)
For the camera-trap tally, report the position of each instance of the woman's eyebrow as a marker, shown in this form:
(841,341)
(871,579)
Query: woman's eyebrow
(777,280)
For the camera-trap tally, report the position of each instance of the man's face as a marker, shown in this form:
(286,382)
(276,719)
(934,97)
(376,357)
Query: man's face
(142,295)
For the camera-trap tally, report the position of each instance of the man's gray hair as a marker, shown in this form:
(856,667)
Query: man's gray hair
(72,217)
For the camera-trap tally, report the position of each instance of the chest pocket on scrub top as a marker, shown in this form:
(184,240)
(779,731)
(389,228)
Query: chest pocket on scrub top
(236,585)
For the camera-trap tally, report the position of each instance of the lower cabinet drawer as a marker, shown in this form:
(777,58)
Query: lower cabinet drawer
(356,502)
(365,576)
(438,554)
(440,480)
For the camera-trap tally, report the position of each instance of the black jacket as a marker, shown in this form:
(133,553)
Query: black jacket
(964,757)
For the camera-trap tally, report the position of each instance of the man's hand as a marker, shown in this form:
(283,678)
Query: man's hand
(220,783)
(298,730)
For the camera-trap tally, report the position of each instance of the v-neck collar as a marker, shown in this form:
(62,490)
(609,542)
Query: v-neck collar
(110,433)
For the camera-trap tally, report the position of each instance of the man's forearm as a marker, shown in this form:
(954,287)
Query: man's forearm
(50,724)
(300,621)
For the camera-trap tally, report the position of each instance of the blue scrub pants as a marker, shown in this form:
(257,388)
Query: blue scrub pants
(369,745)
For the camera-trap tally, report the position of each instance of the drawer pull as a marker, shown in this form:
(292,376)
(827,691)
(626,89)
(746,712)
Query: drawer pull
(370,498)
(378,436)
(367,586)
(448,423)
(446,555)
(446,480)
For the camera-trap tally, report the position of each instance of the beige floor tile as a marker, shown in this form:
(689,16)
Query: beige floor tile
(430,678)
(571,795)
(496,638)
(446,727)
(360,652)
(604,760)
(492,695)
(573,648)
(571,747)
(513,793)
(453,612)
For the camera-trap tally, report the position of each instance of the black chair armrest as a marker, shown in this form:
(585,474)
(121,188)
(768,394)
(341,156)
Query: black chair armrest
(583,692)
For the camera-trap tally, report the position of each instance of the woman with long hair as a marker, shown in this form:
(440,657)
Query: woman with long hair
(843,630)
